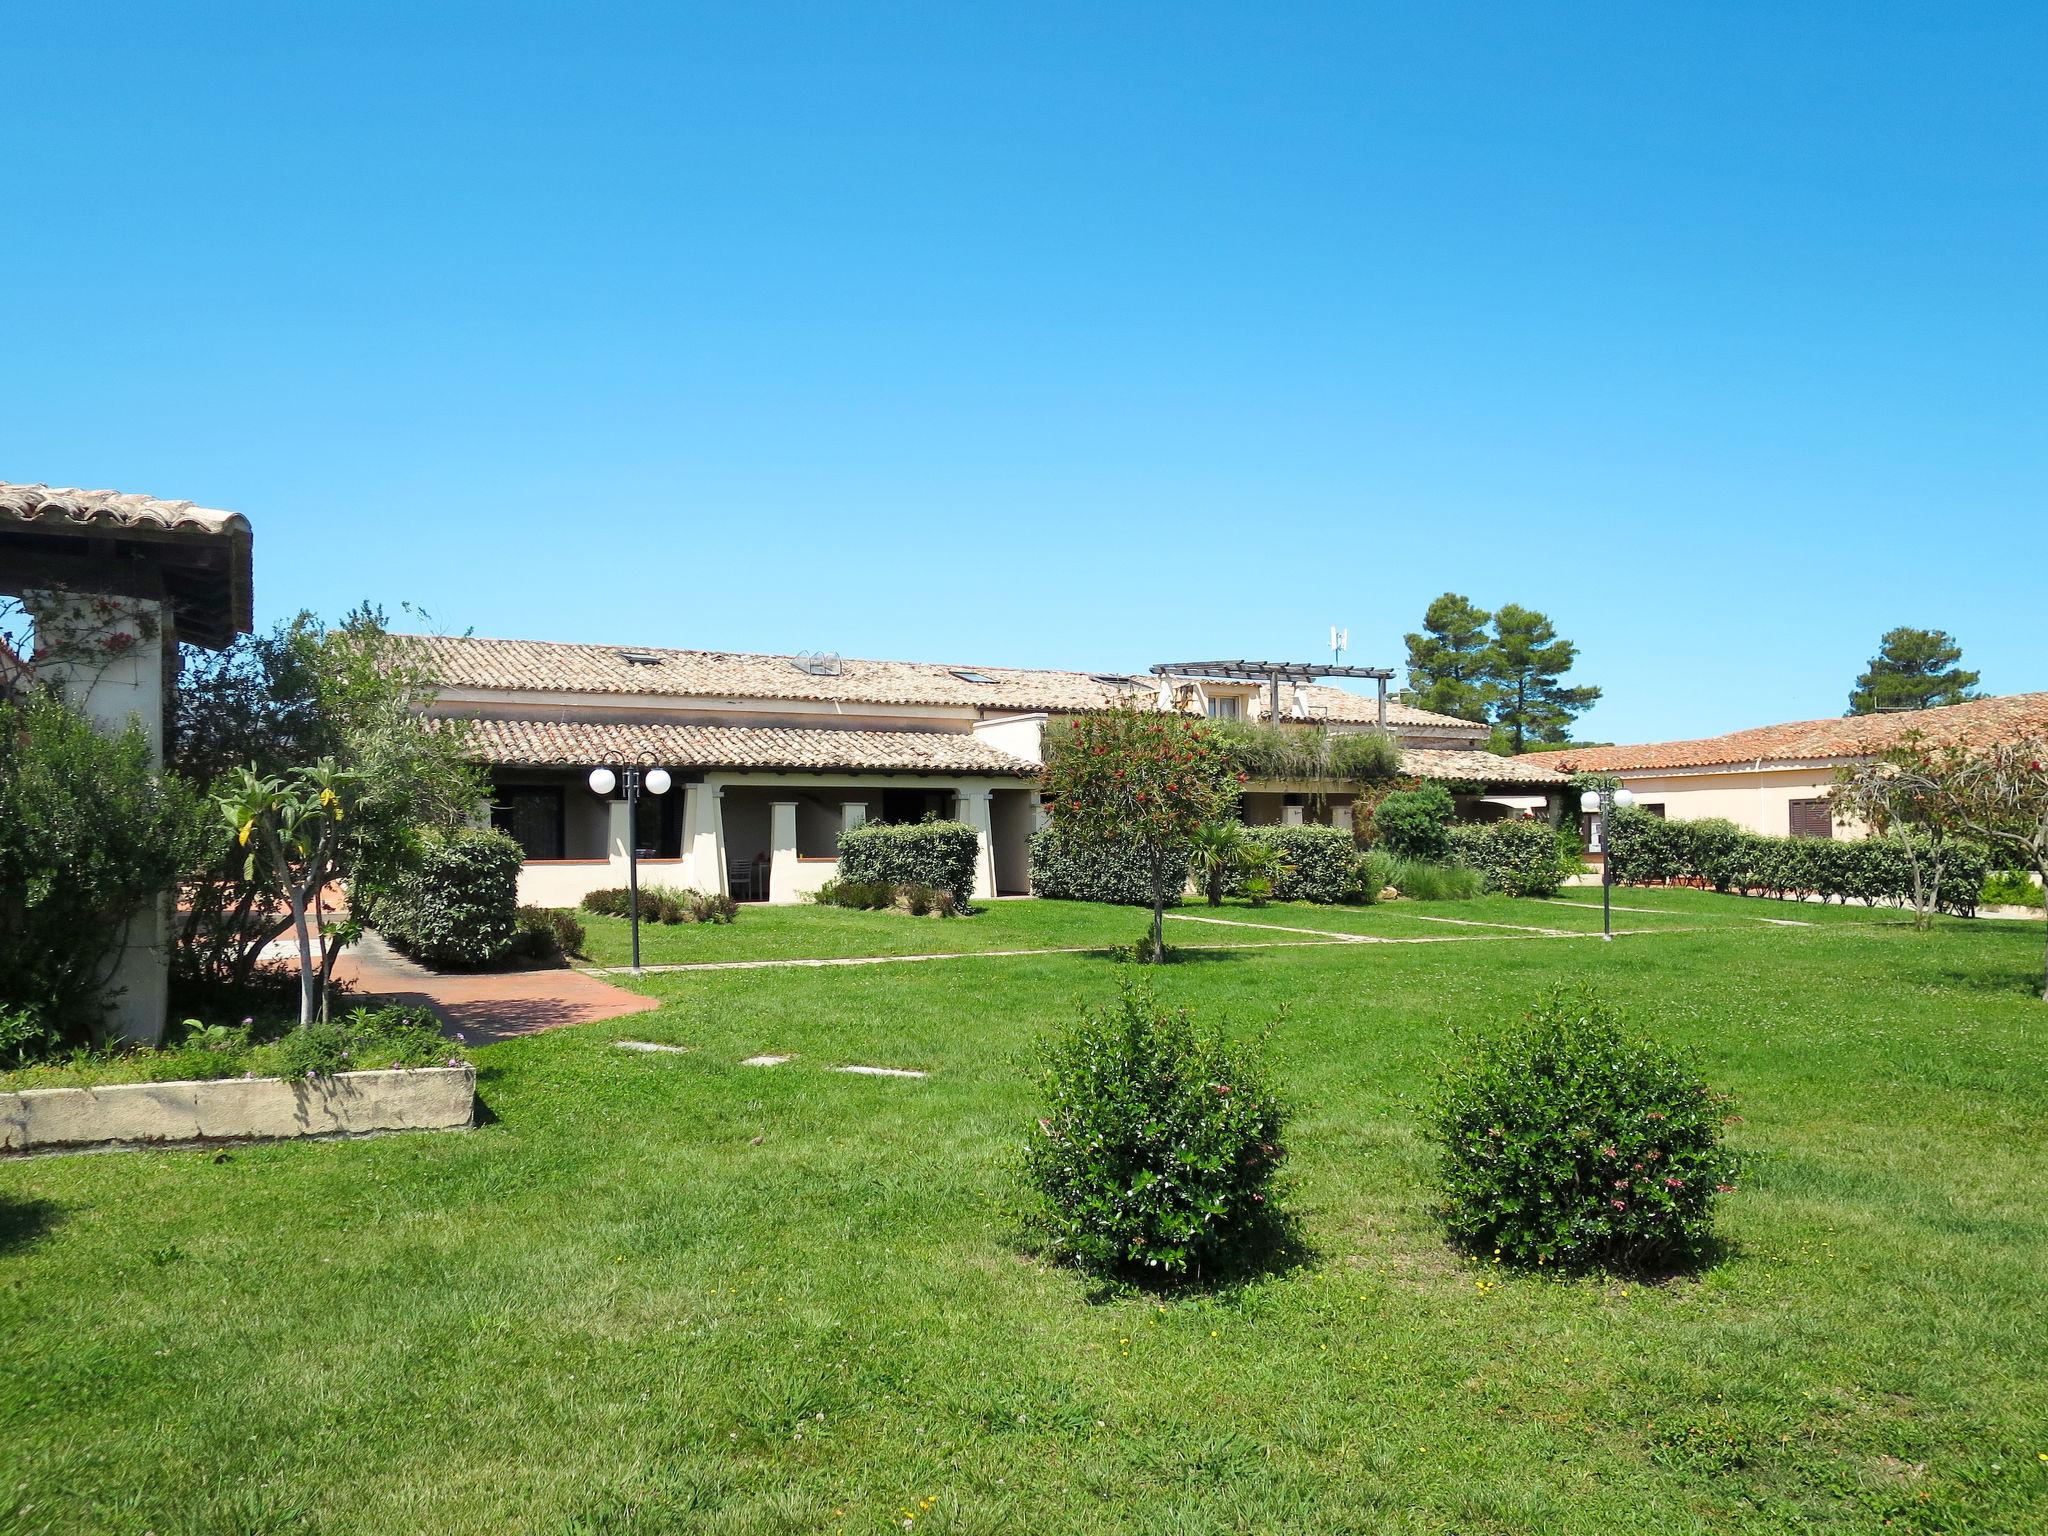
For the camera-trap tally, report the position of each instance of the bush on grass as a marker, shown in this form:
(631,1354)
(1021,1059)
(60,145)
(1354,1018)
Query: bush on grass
(940,854)
(2011,888)
(1415,824)
(914,897)
(1420,880)
(1567,1141)
(1072,869)
(1157,1152)
(663,904)
(1515,857)
(548,934)
(1316,864)
(458,903)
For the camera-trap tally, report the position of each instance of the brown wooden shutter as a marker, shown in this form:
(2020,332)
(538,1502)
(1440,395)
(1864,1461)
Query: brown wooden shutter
(1811,818)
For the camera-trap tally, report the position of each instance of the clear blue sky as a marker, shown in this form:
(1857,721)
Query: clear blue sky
(1089,335)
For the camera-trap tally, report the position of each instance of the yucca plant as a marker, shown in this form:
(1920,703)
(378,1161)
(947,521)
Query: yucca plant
(1217,847)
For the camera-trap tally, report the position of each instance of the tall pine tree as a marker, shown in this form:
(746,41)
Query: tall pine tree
(1531,703)
(1913,669)
(1450,664)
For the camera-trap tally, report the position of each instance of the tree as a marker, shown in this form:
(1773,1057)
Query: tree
(1905,793)
(290,825)
(1451,663)
(1144,779)
(1529,661)
(1913,669)
(1216,847)
(90,835)
(2001,795)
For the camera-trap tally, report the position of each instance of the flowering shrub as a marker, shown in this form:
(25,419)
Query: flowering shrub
(1568,1141)
(1157,1151)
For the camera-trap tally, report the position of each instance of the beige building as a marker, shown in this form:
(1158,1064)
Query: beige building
(772,757)
(1775,778)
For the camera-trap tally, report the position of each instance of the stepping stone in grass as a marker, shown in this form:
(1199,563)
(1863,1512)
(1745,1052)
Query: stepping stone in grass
(764,1061)
(882,1071)
(647,1045)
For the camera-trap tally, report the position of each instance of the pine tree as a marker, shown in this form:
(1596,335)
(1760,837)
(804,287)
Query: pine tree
(1531,703)
(1913,669)
(1450,664)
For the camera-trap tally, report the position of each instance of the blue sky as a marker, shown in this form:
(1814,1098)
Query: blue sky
(1090,335)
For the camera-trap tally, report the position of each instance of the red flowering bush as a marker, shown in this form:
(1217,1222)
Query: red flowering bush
(1568,1141)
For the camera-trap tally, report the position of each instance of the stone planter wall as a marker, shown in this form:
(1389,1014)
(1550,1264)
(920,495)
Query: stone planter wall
(237,1109)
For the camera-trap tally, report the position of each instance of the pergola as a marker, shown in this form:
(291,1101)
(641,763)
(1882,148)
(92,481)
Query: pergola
(1274,673)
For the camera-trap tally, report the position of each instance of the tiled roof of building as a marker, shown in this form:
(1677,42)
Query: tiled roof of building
(1981,722)
(1340,706)
(1446,765)
(208,583)
(549,666)
(587,743)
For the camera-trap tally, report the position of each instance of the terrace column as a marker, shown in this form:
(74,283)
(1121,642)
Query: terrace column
(706,832)
(782,844)
(618,832)
(1290,815)
(974,811)
(1340,817)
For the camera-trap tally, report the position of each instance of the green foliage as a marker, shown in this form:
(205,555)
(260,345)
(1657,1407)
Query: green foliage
(1215,848)
(912,896)
(1647,849)
(1913,669)
(90,835)
(1415,823)
(1306,863)
(1375,874)
(663,904)
(1569,1141)
(1159,1144)
(459,904)
(1067,868)
(1422,880)
(547,934)
(1307,753)
(2011,888)
(24,1037)
(941,854)
(363,1040)
(1517,857)
(1529,662)
(1450,663)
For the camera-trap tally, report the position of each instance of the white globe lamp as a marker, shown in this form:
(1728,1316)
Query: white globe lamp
(603,781)
(657,781)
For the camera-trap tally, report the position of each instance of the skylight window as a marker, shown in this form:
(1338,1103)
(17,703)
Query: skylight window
(969,675)
(640,658)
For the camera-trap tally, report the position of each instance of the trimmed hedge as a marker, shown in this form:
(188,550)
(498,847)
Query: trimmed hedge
(1648,849)
(1521,858)
(1415,823)
(1069,870)
(940,854)
(1322,863)
(459,903)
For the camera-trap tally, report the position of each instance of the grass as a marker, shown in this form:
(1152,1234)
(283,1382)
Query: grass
(670,1293)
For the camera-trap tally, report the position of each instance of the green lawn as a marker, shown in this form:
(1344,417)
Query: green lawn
(671,1293)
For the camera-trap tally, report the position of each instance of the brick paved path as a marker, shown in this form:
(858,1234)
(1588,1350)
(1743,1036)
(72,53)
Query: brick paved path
(490,1005)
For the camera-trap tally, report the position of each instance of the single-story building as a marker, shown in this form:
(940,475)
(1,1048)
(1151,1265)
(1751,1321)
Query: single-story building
(772,756)
(1775,778)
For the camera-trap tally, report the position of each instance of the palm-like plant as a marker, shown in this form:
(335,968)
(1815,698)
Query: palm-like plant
(1216,848)
(1262,867)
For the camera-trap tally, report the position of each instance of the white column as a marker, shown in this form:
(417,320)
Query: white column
(618,829)
(974,811)
(1340,817)
(707,839)
(782,846)
(115,689)
(1290,815)
(693,800)
(1041,818)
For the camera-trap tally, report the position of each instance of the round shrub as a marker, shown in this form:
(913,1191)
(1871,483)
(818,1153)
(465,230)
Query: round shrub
(458,905)
(1517,857)
(1157,1151)
(1569,1141)
(940,854)
(1415,824)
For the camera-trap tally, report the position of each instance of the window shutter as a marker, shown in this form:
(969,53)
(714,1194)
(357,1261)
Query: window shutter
(1811,818)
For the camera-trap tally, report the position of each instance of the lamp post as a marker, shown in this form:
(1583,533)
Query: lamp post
(656,781)
(1601,803)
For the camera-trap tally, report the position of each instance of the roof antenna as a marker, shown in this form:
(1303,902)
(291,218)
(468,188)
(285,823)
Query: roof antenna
(1340,642)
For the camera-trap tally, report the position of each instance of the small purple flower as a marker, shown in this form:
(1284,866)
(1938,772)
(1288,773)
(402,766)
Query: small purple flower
(247,1075)
(247,1021)
(462,1037)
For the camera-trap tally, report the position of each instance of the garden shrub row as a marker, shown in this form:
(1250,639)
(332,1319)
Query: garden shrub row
(663,904)
(1068,869)
(1649,849)
(912,896)
(940,854)
(1318,864)
(1520,858)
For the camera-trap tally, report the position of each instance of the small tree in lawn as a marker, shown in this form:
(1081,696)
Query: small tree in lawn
(292,825)
(1217,846)
(2001,796)
(1148,780)
(1905,793)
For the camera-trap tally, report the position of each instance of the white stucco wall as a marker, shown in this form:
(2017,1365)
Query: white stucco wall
(1757,798)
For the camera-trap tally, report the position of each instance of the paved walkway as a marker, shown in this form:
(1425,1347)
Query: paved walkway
(488,1005)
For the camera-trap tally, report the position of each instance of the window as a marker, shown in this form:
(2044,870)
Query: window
(1811,818)
(969,675)
(531,815)
(1229,708)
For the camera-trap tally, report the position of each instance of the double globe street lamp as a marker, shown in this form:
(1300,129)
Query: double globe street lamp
(1602,803)
(656,782)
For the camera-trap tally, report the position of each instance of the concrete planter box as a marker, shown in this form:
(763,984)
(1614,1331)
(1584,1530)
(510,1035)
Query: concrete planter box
(237,1109)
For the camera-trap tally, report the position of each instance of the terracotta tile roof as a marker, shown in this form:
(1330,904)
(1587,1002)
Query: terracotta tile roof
(548,666)
(1342,706)
(210,584)
(586,743)
(1445,765)
(1981,722)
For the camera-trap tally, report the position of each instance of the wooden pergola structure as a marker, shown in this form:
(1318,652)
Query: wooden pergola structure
(1273,673)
